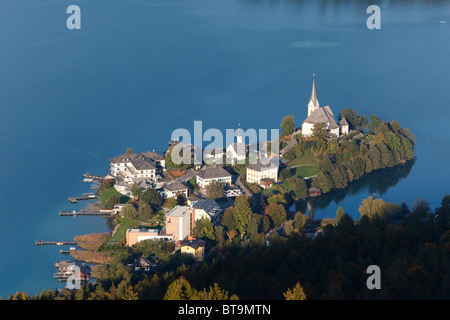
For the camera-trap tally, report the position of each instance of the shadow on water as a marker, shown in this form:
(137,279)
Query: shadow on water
(376,182)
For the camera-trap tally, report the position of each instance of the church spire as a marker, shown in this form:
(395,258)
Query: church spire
(239,136)
(313,102)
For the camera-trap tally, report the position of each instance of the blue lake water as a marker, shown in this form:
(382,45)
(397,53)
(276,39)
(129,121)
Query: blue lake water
(138,69)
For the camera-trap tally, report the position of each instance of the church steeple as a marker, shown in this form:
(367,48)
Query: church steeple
(313,103)
(239,136)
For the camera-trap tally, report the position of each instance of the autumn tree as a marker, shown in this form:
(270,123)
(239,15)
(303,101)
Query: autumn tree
(371,206)
(295,293)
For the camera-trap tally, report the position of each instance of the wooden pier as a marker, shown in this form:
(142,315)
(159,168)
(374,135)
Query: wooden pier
(103,213)
(92,176)
(84,196)
(56,243)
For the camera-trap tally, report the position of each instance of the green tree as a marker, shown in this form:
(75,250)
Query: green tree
(339,214)
(214,190)
(277,213)
(112,201)
(129,211)
(215,293)
(145,210)
(136,191)
(129,151)
(204,229)
(242,214)
(228,219)
(287,125)
(301,189)
(319,135)
(180,289)
(323,182)
(152,197)
(171,203)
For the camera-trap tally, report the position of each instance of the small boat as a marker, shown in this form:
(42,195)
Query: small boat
(59,243)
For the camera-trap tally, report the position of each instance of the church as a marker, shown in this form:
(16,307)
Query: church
(324,115)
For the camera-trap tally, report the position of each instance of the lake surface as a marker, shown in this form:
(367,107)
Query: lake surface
(138,69)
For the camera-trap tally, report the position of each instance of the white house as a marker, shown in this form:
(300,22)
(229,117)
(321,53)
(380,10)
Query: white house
(207,209)
(262,170)
(137,166)
(172,190)
(324,115)
(210,174)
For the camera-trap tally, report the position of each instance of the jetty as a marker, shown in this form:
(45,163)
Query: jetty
(55,243)
(84,196)
(93,177)
(101,213)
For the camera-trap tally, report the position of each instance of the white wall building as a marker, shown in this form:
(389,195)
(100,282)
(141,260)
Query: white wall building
(260,170)
(210,174)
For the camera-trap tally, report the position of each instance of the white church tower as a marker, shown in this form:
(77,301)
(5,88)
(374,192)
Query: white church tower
(313,102)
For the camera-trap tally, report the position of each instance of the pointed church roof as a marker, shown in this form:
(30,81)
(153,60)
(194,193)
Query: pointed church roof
(343,122)
(313,102)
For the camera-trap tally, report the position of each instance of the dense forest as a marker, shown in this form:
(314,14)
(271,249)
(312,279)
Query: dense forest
(411,247)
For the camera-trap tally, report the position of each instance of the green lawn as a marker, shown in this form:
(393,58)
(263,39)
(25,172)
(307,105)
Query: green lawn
(296,162)
(122,229)
(306,171)
(104,195)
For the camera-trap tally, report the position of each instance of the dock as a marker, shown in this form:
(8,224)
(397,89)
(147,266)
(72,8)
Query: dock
(55,243)
(84,196)
(73,213)
(92,176)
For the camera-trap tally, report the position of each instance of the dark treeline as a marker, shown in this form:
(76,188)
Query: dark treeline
(412,253)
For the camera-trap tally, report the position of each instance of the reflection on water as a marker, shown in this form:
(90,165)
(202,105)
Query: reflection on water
(377,182)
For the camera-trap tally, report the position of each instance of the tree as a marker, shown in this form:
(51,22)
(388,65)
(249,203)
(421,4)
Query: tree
(180,289)
(136,191)
(242,214)
(152,197)
(214,190)
(228,219)
(339,214)
(145,210)
(204,229)
(296,293)
(129,211)
(355,121)
(371,206)
(277,213)
(300,189)
(278,198)
(129,151)
(215,293)
(323,182)
(287,125)
(112,201)
(170,203)
(319,135)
